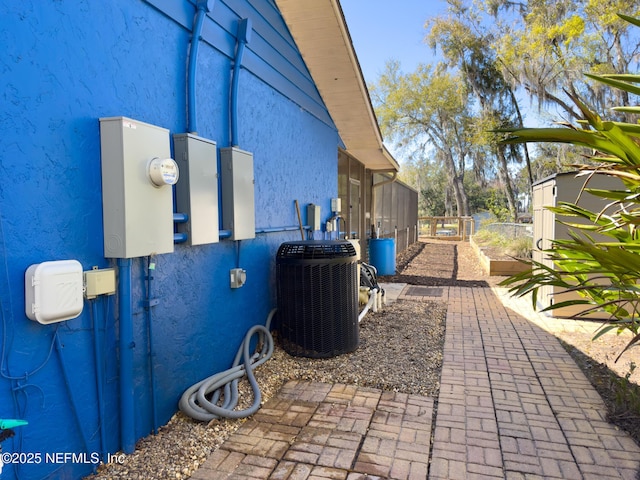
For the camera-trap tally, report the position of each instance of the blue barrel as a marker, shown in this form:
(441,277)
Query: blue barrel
(382,255)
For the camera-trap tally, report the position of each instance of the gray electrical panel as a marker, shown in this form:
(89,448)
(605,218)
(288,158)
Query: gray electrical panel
(238,203)
(197,188)
(137,213)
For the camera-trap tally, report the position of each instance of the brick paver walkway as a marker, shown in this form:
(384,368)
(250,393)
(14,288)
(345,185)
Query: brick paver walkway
(512,404)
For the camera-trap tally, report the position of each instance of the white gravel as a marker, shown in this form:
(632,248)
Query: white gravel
(400,350)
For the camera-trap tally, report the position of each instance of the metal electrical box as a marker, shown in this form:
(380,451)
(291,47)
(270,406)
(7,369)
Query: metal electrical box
(137,212)
(197,188)
(313,216)
(238,203)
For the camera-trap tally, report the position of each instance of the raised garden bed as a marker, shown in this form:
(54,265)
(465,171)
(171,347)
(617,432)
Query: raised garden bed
(495,262)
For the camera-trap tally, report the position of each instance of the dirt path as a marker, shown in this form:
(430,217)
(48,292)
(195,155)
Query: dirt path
(440,263)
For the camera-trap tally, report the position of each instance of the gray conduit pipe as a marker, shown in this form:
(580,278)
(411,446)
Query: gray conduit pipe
(195,402)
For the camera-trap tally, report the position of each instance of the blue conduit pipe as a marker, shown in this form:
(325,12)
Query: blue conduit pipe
(125,314)
(280,229)
(150,302)
(180,237)
(202,400)
(180,217)
(228,233)
(202,7)
(97,350)
(243,37)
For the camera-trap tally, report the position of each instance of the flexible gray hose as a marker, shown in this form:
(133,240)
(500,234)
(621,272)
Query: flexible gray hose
(194,401)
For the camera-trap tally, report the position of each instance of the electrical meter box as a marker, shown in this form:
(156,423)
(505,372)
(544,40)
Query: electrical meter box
(238,203)
(197,188)
(53,291)
(137,195)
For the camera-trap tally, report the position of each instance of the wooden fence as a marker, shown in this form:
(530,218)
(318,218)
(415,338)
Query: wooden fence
(446,228)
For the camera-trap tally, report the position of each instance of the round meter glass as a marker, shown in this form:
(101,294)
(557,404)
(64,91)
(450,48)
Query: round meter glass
(163,171)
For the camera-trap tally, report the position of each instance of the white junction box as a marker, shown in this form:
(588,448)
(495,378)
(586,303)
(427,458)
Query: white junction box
(53,291)
(137,196)
(99,282)
(238,202)
(197,189)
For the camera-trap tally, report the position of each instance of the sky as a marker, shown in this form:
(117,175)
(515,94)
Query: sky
(383,30)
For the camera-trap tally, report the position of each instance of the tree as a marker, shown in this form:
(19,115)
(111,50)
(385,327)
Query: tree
(429,107)
(467,48)
(553,42)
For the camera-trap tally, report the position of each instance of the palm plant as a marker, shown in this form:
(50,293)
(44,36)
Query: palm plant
(604,268)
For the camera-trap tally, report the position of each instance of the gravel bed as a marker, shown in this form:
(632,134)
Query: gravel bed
(400,350)
(385,359)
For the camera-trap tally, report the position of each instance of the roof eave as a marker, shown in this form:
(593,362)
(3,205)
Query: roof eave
(321,34)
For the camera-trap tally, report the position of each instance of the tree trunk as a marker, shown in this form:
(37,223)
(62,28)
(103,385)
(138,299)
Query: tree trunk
(455,180)
(527,159)
(503,175)
(448,207)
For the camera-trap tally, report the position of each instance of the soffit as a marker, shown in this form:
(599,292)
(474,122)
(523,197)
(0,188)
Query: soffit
(320,32)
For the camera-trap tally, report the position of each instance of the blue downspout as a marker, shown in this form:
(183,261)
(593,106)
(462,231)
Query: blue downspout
(202,7)
(244,36)
(127,402)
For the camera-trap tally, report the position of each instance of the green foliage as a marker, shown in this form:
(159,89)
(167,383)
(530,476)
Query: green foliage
(517,247)
(429,107)
(548,44)
(497,205)
(604,272)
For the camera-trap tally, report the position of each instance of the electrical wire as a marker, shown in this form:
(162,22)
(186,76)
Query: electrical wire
(217,396)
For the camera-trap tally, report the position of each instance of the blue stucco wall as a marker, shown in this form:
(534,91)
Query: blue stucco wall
(65,64)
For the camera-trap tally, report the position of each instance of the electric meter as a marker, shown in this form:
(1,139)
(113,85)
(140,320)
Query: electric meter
(163,171)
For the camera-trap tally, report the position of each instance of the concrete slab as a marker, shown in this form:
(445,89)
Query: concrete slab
(392,290)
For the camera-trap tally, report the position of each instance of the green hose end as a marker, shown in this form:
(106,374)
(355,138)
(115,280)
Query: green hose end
(6,423)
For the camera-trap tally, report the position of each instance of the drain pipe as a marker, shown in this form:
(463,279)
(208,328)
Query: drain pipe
(243,37)
(127,402)
(202,7)
(373,302)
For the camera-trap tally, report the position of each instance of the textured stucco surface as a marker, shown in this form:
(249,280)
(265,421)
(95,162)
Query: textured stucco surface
(64,66)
